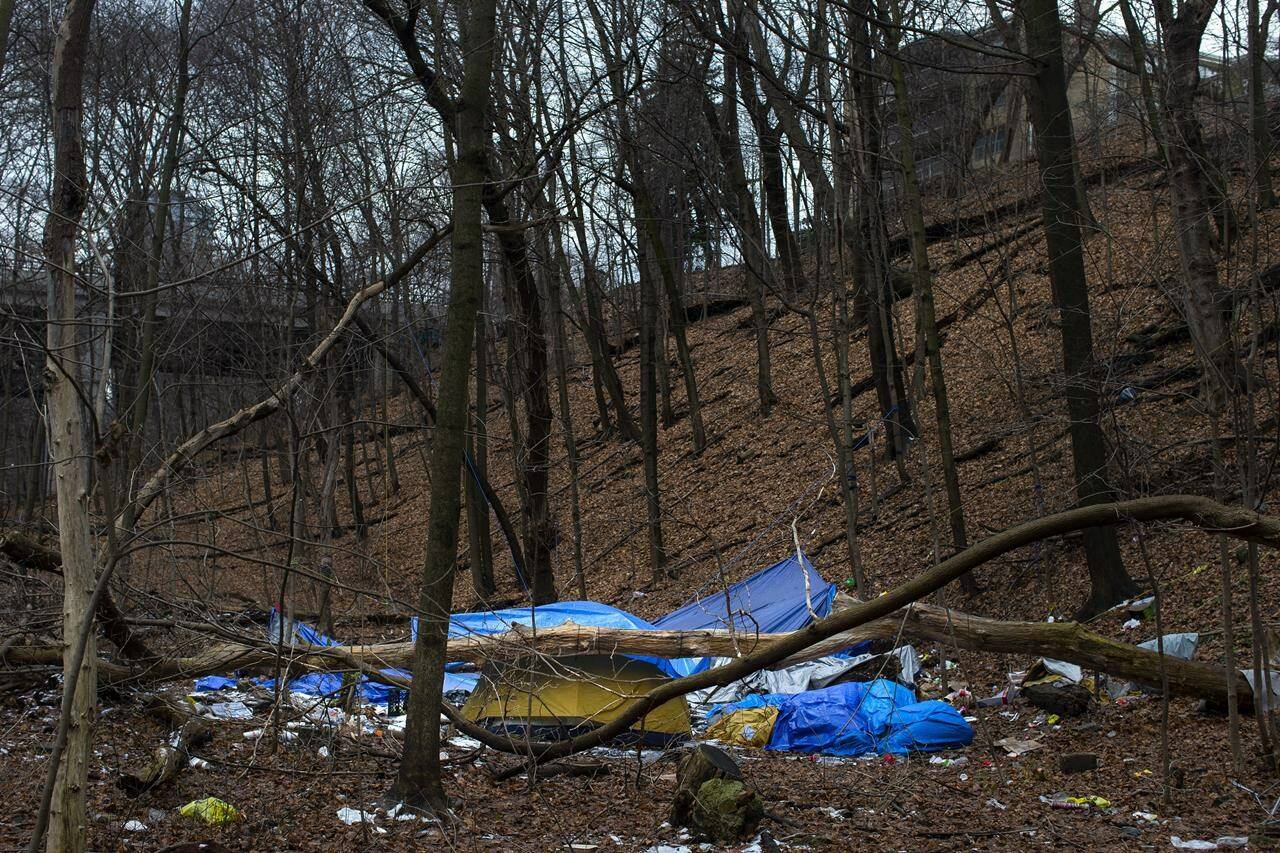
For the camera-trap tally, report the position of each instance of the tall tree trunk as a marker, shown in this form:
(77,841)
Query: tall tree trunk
(1207,305)
(1055,146)
(923,288)
(418,781)
(649,423)
(566,421)
(140,405)
(69,444)
(737,194)
(1259,121)
(480,543)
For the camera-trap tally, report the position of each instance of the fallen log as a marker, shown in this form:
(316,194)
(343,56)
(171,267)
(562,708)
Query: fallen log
(1067,641)
(168,759)
(35,554)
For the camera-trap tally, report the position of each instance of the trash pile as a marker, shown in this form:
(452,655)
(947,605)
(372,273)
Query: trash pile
(853,718)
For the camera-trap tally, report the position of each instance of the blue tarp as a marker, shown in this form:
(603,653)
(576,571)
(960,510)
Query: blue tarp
(587,613)
(324,683)
(857,718)
(771,600)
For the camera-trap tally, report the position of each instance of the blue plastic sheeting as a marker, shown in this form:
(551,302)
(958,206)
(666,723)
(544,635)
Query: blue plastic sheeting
(210,683)
(326,684)
(858,718)
(587,613)
(772,599)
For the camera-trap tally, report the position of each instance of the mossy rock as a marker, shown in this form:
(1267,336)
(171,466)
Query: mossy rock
(725,811)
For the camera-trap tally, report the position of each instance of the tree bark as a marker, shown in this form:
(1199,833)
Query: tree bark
(1055,146)
(418,781)
(1207,305)
(923,290)
(69,444)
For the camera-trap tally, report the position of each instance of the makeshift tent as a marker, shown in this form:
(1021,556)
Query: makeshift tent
(857,718)
(775,599)
(554,699)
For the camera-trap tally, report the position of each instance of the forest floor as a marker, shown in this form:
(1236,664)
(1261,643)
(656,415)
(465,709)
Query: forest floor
(730,511)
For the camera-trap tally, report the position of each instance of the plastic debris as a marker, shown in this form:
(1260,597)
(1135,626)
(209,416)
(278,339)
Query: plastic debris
(236,710)
(1062,801)
(198,764)
(211,810)
(1149,817)
(1090,800)
(135,826)
(1016,747)
(1004,697)
(1131,624)
(1192,844)
(948,762)
(996,804)
(351,816)
(323,752)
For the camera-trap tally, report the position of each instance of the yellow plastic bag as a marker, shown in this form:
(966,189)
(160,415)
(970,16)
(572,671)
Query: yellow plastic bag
(211,810)
(745,727)
(1090,800)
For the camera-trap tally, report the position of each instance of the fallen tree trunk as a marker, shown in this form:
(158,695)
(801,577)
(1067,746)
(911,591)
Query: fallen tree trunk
(34,554)
(1067,641)
(168,759)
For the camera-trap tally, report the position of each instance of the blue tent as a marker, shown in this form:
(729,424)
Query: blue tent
(857,718)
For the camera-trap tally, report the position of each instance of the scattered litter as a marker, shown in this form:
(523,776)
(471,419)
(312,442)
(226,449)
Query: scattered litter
(1062,801)
(135,826)
(948,762)
(211,810)
(1149,817)
(284,735)
(1004,697)
(1016,747)
(996,804)
(402,812)
(463,742)
(351,816)
(236,710)
(1192,844)
(198,764)
(964,777)
(1131,624)
(323,752)
(833,813)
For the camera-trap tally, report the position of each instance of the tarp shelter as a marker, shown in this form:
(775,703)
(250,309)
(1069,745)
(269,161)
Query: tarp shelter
(553,699)
(857,718)
(774,599)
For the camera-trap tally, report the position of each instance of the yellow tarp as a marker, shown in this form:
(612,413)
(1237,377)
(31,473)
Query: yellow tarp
(745,727)
(573,692)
